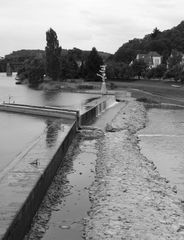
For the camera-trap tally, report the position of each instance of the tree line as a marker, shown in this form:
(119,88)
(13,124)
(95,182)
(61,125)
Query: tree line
(162,42)
(57,67)
(169,44)
(173,68)
(60,64)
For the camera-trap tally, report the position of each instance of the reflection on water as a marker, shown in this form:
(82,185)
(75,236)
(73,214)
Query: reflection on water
(24,95)
(66,217)
(162,141)
(53,127)
(17,132)
(29,138)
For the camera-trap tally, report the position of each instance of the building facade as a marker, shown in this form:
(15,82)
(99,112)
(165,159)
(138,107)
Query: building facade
(152,59)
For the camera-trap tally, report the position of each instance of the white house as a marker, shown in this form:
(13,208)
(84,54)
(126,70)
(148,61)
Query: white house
(152,59)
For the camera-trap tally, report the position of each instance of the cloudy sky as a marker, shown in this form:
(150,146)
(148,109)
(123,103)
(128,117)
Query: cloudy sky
(105,24)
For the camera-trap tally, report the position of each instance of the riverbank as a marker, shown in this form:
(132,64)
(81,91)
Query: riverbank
(130,200)
(72,85)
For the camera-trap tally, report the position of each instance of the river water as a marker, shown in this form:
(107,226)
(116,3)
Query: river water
(162,141)
(18,131)
(10,92)
(67,217)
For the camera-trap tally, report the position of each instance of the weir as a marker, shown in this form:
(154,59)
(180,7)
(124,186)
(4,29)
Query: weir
(24,185)
(39,110)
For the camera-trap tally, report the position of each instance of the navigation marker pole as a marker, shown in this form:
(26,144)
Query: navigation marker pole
(102,74)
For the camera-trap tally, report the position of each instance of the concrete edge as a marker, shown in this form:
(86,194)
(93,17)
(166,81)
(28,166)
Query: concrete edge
(42,111)
(164,105)
(23,218)
(99,106)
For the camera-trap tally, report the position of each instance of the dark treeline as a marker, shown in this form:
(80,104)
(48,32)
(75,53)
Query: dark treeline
(55,63)
(60,64)
(17,58)
(169,44)
(162,42)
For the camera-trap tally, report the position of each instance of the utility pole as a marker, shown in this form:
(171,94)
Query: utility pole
(102,74)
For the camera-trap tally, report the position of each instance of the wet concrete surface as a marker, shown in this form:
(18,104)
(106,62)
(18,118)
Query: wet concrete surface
(20,177)
(64,209)
(17,133)
(106,117)
(162,142)
(66,221)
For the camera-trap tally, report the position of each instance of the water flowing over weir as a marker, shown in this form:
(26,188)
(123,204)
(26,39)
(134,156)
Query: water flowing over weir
(162,142)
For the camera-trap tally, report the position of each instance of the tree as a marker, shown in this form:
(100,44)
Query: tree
(182,73)
(92,65)
(118,70)
(36,72)
(175,66)
(138,68)
(157,72)
(69,67)
(160,41)
(155,33)
(128,51)
(176,72)
(33,70)
(174,59)
(53,55)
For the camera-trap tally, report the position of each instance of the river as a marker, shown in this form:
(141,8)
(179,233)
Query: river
(18,131)
(10,92)
(162,142)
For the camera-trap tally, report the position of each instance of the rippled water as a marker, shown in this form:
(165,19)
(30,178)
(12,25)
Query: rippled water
(9,91)
(17,131)
(162,141)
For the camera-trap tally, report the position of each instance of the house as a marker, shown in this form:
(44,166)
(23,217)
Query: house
(152,59)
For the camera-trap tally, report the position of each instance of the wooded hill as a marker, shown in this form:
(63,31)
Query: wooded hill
(17,58)
(162,42)
(24,54)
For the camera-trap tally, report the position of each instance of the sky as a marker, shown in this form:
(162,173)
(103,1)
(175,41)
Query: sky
(104,24)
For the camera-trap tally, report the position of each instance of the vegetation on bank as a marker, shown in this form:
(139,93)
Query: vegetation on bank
(59,64)
(52,66)
(162,42)
(168,43)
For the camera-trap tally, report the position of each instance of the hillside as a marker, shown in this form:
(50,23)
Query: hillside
(17,58)
(160,41)
(23,54)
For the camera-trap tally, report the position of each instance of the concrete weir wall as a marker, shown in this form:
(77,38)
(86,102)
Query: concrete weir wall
(36,110)
(95,108)
(23,187)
